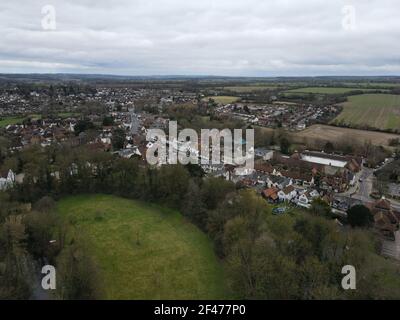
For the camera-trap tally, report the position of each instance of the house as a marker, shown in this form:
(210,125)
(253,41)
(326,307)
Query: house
(314,194)
(287,194)
(352,179)
(301,126)
(264,153)
(306,198)
(129,152)
(271,195)
(279,182)
(211,167)
(343,203)
(355,164)
(8,182)
(386,222)
(221,173)
(263,167)
(326,160)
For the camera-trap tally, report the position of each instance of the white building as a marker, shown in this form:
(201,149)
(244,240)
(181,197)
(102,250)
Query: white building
(306,198)
(8,182)
(324,159)
(265,154)
(287,194)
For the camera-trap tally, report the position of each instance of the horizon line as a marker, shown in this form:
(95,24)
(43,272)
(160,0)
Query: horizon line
(195,75)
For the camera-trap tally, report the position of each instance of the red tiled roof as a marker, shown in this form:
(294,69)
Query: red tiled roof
(269,193)
(383,204)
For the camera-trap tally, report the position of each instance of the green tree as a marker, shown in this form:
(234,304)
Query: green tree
(82,126)
(329,147)
(14,260)
(108,121)
(40,227)
(359,216)
(170,184)
(193,207)
(78,275)
(321,207)
(284,145)
(118,139)
(214,191)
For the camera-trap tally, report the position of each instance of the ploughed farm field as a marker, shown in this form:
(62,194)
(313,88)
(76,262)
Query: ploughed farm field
(145,251)
(321,132)
(338,134)
(381,111)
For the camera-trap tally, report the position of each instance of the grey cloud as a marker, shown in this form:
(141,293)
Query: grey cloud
(225,37)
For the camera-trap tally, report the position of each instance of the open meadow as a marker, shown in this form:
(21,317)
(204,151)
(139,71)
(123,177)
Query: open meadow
(10,120)
(381,111)
(222,99)
(145,251)
(251,88)
(4,122)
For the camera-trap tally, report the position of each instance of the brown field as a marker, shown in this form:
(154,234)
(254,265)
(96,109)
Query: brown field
(336,134)
(317,133)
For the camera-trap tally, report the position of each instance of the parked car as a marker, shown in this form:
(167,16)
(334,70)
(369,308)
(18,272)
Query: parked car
(278,211)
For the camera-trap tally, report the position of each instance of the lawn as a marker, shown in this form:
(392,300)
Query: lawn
(10,120)
(173,259)
(223,99)
(14,120)
(380,111)
(326,90)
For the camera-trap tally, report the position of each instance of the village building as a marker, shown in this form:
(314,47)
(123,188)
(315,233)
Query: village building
(287,194)
(386,220)
(8,182)
(271,194)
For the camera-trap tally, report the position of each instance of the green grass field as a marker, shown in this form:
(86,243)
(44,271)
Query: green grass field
(246,89)
(174,259)
(222,99)
(14,120)
(380,111)
(326,90)
(10,120)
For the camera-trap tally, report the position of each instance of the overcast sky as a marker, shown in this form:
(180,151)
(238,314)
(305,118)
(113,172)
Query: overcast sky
(202,37)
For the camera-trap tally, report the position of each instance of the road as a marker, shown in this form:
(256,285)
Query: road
(364,185)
